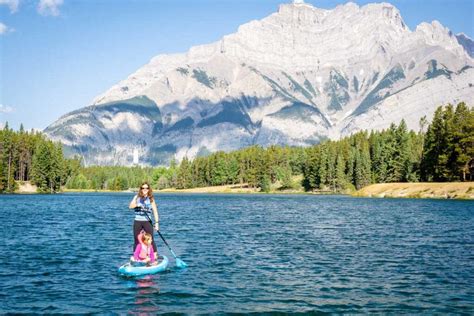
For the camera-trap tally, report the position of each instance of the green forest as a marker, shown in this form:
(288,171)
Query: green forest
(29,156)
(440,151)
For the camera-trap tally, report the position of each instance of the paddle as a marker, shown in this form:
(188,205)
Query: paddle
(179,263)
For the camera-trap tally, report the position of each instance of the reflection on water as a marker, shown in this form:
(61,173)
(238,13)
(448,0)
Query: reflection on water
(146,293)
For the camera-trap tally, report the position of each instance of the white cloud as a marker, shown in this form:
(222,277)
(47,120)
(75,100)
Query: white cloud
(3,28)
(12,4)
(5,109)
(49,7)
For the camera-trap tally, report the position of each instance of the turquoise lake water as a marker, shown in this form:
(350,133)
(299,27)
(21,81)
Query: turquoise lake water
(246,253)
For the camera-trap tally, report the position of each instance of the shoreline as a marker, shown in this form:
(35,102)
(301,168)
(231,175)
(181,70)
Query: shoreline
(420,190)
(424,190)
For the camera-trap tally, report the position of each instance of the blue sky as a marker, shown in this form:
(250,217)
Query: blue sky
(57,55)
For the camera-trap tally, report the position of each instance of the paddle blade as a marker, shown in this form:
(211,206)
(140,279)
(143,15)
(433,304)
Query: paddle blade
(180,263)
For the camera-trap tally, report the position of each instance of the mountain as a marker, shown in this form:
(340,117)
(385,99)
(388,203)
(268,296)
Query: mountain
(296,77)
(467,43)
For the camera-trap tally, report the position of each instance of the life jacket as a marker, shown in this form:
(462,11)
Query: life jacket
(145,250)
(145,205)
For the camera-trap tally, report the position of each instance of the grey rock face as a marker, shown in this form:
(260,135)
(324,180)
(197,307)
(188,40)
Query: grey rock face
(296,77)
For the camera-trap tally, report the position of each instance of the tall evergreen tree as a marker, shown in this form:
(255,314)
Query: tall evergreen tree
(184,175)
(41,167)
(362,164)
(463,140)
(434,141)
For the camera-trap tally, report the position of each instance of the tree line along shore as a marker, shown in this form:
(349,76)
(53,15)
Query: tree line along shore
(442,151)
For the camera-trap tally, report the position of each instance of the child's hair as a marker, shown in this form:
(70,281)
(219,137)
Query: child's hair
(146,238)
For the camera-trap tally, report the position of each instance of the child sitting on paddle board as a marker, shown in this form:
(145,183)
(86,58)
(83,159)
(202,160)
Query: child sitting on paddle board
(144,251)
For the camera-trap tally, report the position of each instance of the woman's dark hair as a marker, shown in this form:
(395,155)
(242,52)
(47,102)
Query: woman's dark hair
(150,192)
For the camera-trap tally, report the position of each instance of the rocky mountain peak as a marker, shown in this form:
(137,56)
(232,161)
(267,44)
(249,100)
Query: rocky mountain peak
(436,34)
(299,76)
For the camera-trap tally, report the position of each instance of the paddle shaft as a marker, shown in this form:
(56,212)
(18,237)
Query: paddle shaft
(163,238)
(166,243)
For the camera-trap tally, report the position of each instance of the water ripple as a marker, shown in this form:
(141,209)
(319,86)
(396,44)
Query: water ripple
(246,254)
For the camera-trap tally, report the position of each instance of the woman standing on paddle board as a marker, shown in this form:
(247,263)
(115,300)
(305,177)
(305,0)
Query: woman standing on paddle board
(144,200)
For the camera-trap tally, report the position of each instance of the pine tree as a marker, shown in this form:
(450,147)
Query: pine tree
(264,183)
(331,166)
(311,169)
(233,168)
(434,141)
(263,168)
(350,171)
(401,154)
(463,139)
(447,159)
(218,168)
(120,183)
(41,167)
(251,167)
(184,175)
(341,182)
(57,168)
(322,163)
(362,165)
(8,163)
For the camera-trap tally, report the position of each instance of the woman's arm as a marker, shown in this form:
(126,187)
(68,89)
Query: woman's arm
(133,204)
(155,213)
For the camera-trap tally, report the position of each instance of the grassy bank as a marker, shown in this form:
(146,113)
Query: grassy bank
(444,190)
(230,189)
(92,190)
(438,190)
(26,187)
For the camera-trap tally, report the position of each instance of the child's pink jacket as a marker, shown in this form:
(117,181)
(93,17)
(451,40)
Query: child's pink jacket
(142,251)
